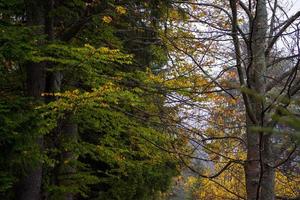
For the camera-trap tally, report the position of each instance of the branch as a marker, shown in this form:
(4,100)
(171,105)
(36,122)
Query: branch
(288,22)
(238,60)
(225,137)
(278,80)
(221,9)
(200,67)
(214,176)
(231,192)
(278,60)
(74,29)
(288,198)
(286,159)
(206,176)
(244,7)
(272,18)
(295,88)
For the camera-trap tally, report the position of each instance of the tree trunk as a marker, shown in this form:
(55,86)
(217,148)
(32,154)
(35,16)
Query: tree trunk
(67,131)
(29,186)
(259,176)
(67,166)
(67,134)
(252,166)
(268,178)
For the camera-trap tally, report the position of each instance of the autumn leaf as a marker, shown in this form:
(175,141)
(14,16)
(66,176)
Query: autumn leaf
(106,19)
(121,10)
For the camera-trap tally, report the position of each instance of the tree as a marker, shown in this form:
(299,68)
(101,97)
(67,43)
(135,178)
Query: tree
(238,36)
(78,75)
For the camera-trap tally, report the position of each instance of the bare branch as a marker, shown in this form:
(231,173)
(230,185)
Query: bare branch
(288,22)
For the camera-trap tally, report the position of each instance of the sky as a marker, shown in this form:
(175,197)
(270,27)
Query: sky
(295,7)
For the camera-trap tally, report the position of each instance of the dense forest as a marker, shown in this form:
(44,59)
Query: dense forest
(149,100)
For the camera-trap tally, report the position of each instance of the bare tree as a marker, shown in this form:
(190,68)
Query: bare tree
(259,40)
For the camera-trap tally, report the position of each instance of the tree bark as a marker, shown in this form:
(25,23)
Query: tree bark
(29,187)
(259,174)
(252,167)
(268,177)
(67,167)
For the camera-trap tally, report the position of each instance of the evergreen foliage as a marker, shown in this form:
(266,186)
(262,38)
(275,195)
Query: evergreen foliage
(99,52)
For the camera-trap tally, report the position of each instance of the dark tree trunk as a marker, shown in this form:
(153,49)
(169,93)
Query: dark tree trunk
(67,131)
(29,187)
(67,166)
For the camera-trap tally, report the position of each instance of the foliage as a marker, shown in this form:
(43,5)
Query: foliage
(21,126)
(105,90)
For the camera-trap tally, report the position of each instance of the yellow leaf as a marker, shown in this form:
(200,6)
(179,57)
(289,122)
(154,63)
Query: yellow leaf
(121,10)
(106,19)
